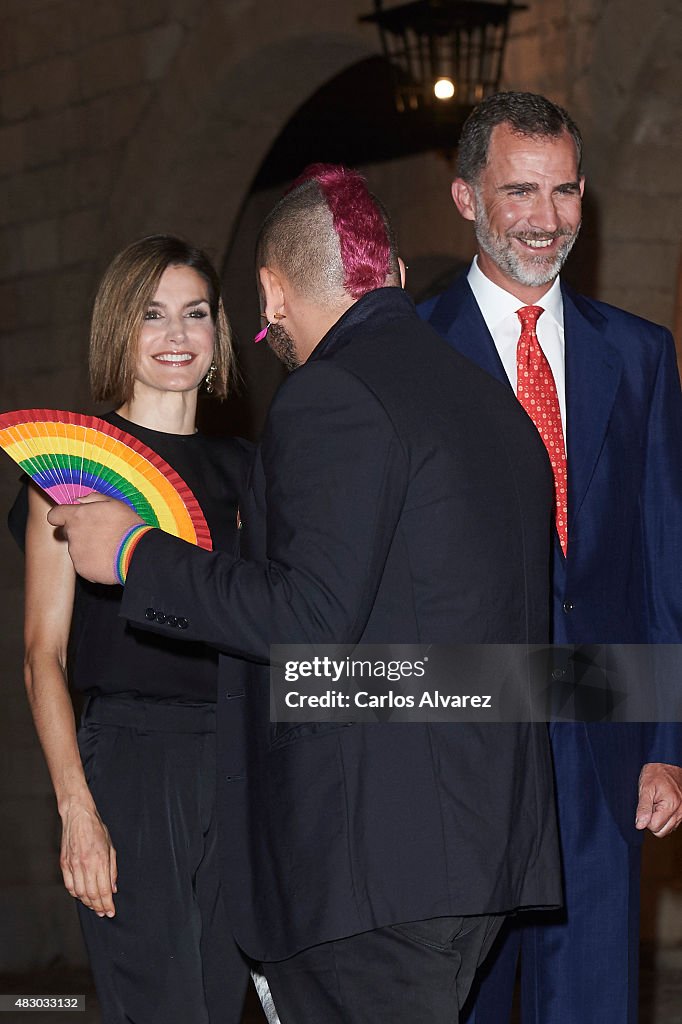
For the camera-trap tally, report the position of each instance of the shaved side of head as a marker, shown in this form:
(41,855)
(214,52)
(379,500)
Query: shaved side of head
(330,237)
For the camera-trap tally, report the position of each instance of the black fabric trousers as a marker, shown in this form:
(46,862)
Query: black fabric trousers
(415,973)
(168,956)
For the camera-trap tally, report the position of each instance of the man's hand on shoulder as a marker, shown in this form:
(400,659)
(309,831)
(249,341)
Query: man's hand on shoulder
(660,799)
(94,529)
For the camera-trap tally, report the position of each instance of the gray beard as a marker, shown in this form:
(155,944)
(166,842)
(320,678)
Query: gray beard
(530,271)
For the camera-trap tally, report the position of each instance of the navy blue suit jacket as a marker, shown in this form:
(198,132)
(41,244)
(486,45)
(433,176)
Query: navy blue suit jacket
(621,581)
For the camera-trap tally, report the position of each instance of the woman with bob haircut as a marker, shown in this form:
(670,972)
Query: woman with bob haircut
(135,787)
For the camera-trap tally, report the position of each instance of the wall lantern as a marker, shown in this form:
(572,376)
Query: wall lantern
(443,53)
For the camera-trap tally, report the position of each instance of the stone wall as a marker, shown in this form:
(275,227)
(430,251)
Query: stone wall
(120,118)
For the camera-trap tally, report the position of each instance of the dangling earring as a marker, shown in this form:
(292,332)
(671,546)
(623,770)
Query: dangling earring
(209,379)
(270,323)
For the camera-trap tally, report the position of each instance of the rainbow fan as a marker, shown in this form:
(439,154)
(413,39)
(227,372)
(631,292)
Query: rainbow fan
(68,455)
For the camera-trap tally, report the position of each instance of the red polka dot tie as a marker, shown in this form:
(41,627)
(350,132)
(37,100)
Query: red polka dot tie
(536,391)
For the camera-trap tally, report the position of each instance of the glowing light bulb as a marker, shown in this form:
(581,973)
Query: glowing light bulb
(444,89)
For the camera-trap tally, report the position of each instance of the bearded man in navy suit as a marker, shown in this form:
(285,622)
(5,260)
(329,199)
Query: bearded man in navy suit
(617,577)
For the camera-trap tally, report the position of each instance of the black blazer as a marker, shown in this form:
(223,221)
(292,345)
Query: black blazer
(399,495)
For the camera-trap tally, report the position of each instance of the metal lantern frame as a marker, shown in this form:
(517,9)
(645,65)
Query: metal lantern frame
(459,40)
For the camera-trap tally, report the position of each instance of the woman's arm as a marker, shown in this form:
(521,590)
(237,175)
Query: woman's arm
(88,858)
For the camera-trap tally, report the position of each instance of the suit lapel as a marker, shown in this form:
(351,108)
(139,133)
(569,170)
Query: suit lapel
(456,316)
(593,369)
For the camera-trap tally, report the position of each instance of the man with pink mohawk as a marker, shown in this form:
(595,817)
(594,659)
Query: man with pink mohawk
(368,866)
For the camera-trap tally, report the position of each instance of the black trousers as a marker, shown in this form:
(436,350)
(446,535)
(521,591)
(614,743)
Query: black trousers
(168,956)
(415,973)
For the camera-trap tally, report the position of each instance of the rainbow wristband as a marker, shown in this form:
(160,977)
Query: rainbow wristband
(126,548)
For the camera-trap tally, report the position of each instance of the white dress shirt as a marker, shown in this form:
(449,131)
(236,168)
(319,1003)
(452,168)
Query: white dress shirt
(499,312)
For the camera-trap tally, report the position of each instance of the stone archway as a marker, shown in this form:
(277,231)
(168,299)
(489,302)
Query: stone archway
(190,164)
(212,123)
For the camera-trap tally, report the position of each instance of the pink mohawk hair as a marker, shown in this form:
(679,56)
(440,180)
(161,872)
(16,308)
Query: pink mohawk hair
(363,239)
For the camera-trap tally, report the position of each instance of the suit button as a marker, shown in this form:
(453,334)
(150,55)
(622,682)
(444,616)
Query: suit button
(182,623)
(568,606)
(160,617)
(150,614)
(171,620)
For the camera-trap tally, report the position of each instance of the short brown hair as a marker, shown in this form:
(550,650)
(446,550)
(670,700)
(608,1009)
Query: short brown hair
(526,113)
(123,296)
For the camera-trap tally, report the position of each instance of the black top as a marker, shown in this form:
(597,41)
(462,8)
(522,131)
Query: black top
(107,655)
